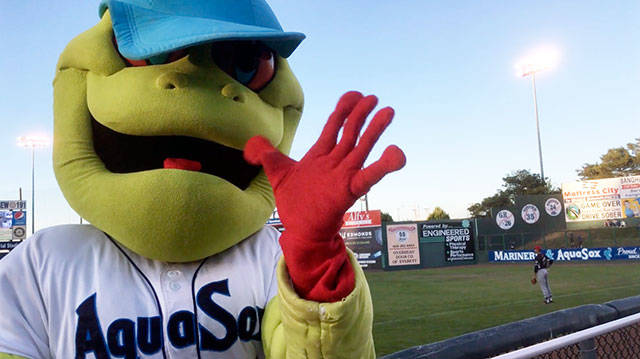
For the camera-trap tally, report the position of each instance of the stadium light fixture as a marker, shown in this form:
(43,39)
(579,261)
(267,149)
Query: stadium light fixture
(541,59)
(33,142)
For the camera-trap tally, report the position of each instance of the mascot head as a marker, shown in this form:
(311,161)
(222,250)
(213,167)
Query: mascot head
(153,107)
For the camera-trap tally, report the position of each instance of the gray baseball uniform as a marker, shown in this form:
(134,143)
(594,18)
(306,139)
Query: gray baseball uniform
(540,269)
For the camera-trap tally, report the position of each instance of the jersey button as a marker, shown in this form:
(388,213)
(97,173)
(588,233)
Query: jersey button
(174,286)
(173,274)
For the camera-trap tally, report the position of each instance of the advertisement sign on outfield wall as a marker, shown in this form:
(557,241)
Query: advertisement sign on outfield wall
(630,196)
(603,199)
(351,219)
(366,245)
(362,234)
(457,236)
(402,244)
(362,219)
(569,254)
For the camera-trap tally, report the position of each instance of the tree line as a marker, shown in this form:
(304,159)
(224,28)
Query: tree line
(616,162)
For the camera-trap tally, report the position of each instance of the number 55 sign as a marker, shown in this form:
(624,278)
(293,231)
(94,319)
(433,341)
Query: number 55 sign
(402,244)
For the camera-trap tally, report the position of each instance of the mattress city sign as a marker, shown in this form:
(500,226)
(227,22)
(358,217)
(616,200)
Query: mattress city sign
(570,254)
(605,198)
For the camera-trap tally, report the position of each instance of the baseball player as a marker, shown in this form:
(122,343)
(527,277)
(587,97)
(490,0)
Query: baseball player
(541,274)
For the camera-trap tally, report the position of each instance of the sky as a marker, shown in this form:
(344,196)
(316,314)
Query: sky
(463,117)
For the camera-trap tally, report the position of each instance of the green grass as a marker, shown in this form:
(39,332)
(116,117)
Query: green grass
(424,306)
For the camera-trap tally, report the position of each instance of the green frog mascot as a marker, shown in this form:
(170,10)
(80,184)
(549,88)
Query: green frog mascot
(172,124)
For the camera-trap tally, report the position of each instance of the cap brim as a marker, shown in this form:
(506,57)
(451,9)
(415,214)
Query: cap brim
(143,33)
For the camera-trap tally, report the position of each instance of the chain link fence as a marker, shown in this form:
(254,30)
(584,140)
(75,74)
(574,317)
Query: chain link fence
(592,331)
(618,339)
(623,343)
(599,237)
(571,351)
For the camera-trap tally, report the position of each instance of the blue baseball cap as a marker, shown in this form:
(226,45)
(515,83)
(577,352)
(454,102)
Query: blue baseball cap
(145,28)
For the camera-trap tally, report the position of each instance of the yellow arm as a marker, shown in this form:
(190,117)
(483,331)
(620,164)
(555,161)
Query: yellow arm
(293,327)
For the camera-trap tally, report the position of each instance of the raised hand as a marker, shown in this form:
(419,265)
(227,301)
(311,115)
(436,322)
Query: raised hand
(329,178)
(313,194)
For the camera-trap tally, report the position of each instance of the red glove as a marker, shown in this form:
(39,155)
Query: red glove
(312,195)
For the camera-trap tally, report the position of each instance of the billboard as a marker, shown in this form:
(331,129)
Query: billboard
(366,245)
(602,199)
(402,244)
(362,234)
(362,219)
(569,254)
(458,239)
(13,224)
(630,196)
(351,219)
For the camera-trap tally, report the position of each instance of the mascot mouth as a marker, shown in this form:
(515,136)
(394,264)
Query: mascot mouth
(123,153)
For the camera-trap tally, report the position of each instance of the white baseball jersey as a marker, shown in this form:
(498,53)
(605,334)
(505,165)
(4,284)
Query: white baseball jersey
(72,292)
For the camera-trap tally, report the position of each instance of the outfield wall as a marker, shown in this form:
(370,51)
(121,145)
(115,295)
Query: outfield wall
(428,244)
(508,337)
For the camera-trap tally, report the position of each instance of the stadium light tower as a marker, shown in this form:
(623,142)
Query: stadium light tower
(539,60)
(33,142)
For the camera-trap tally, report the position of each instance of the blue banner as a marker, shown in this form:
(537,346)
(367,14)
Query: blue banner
(19,218)
(569,254)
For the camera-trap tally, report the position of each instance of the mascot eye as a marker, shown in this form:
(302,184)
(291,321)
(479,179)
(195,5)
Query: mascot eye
(250,63)
(155,60)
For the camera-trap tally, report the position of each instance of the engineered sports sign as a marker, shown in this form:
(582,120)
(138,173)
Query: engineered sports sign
(569,254)
(458,239)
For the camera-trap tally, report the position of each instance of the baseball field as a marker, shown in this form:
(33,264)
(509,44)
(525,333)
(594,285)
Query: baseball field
(423,306)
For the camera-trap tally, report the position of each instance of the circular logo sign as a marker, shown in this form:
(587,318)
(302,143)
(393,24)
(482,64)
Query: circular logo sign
(18,232)
(553,207)
(573,212)
(530,213)
(18,215)
(505,219)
